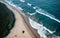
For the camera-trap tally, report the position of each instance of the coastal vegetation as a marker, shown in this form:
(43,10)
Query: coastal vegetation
(7,20)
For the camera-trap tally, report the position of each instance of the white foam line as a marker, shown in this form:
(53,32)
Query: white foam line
(17,7)
(14,5)
(37,26)
(7,1)
(44,11)
(40,28)
(29,4)
(34,24)
(34,7)
(22,0)
(31,13)
(48,16)
(42,32)
(49,30)
(20,8)
(10,3)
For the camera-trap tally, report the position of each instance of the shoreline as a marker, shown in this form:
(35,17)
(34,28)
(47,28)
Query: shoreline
(21,16)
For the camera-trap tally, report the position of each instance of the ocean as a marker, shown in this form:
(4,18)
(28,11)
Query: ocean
(46,12)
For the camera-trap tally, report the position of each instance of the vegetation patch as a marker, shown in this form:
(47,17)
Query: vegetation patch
(7,20)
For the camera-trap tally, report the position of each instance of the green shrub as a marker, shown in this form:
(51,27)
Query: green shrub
(7,20)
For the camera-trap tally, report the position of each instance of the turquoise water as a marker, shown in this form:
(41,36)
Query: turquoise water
(52,7)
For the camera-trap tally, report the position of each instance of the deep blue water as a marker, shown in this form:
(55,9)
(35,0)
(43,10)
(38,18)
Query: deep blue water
(50,6)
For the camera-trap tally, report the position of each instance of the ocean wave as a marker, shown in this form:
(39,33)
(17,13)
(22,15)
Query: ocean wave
(31,13)
(22,0)
(40,11)
(39,27)
(13,5)
(47,14)
(42,31)
(29,4)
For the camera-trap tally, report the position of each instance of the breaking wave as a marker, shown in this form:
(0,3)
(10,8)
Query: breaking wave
(41,29)
(48,15)
(22,0)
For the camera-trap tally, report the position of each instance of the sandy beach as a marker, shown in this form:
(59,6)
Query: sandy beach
(33,19)
(21,29)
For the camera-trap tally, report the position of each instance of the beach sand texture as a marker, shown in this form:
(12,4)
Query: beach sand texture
(20,29)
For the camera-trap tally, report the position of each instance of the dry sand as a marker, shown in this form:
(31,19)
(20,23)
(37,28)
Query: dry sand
(20,26)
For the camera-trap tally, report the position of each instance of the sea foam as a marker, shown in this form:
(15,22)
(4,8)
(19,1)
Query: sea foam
(22,0)
(41,29)
(48,15)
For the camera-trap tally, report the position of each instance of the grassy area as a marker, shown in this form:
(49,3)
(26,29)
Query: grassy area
(7,20)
